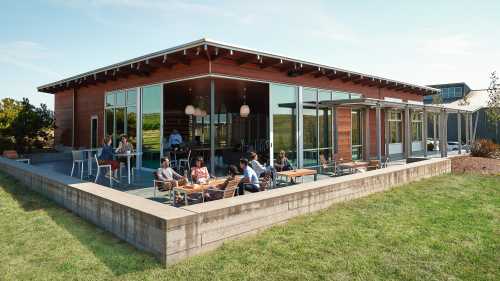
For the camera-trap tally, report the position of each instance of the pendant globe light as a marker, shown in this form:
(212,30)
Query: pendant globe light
(244,109)
(189,110)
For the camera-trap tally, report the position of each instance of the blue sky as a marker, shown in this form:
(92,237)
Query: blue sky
(422,42)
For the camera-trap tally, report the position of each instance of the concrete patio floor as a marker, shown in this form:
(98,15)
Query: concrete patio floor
(142,182)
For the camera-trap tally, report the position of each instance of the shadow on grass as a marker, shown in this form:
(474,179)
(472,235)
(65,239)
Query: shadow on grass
(117,255)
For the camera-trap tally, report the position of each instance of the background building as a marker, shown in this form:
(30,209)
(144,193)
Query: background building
(459,95)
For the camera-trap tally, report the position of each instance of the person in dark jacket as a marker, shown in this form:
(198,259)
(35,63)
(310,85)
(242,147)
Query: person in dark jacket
(106,157)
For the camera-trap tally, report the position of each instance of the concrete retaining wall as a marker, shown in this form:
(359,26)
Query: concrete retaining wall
(173,234)
(138,221)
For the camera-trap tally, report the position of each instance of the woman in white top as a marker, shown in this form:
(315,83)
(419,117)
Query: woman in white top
(256,166)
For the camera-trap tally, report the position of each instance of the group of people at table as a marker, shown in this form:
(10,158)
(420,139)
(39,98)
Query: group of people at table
(252,171)
(107,156)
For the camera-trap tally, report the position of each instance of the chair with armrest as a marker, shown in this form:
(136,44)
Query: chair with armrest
(229,191)
(78,161)
(99,167)
(386,162)
(325,165)
(373,164)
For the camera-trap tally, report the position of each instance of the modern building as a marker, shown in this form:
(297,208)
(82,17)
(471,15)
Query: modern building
(461,96)
(226,100)
(449,92)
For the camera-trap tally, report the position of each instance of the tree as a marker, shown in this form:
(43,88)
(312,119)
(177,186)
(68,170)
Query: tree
(24,126)
(493,110)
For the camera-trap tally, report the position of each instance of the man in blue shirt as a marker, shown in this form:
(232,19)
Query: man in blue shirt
(250,180)
(174,140)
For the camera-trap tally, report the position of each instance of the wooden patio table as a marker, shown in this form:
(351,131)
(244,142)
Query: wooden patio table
(197,188)
(190,189)
(298,173)
(354,166)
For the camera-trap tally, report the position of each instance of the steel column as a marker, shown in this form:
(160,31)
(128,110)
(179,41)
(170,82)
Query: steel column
(424,131)
(459,132)
(212,126)
(407,135)
(378,131)
(367,133)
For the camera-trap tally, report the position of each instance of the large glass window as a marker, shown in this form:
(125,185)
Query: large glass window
(120,115)
(325,120)
(151,125)
(109,121)
(356,135)
(284,111)
(310,127)
(395,126)
(338,95)
(236,134)
(416,126)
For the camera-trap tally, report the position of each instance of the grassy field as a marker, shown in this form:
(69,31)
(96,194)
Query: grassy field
(444,228)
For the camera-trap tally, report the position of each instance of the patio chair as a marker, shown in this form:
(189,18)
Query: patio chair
(229,191)
(386,162)
(12,154)
(101,166)
(373,164)
(159,184)
(185,163)
(78,160)
(338,169)
(325,165)
(266,182)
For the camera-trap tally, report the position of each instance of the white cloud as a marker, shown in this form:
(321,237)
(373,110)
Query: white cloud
(26,55)
(458,44)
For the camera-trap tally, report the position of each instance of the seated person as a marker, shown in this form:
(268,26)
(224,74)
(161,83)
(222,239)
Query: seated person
(282,163)
(256,166)
(123,147)
(250,180)
(214,195)
(167,174)
(106,157)
(199,173)
(174,140)
(259,169)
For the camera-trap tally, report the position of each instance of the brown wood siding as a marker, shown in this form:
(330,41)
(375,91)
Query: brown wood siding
(63,114)
(344,133)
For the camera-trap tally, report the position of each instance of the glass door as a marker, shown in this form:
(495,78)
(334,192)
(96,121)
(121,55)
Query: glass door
(356,135)
(94,138)
(283,122)
(151,123)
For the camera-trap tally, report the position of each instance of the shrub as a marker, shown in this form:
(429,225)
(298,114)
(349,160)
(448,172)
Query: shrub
(483,148)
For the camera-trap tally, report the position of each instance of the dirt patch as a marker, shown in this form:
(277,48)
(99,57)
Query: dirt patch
(479,165)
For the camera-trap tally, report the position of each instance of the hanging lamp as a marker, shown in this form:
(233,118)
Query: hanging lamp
(244,109)
(189,110)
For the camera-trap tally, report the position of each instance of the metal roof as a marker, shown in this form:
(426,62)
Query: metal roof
(217,44)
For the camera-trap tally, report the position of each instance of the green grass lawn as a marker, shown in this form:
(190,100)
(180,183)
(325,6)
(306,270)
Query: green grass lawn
(444,228)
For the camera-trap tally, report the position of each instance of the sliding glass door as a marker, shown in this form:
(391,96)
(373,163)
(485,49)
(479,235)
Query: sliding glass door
(151,123)
(356,135)
(283,121)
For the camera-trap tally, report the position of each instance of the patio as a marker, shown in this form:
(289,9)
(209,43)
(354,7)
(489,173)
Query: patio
(142,183)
